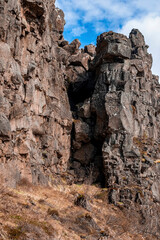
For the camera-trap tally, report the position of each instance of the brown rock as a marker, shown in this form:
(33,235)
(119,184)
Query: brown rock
(122,113)
(82,131)
(90,49)
(34,101)
(113,44)
(80,60)
(85,154)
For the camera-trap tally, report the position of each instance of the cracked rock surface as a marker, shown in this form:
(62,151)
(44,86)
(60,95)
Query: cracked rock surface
(122,114)
(35,120)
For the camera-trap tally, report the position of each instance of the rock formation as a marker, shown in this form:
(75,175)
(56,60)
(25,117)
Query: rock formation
(121,120)
(35,120)
(91,114)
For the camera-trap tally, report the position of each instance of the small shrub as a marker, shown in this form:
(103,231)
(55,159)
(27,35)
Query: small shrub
(85,221)
(103,195)
(53,212)
(84,217)
(15,233)
(24,182)
(16,217)
(82,201)
(41,201)
(104,233)
(47,228)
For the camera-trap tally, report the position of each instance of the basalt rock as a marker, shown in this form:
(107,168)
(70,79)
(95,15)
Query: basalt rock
(37,66)
(123,116)
(35,121)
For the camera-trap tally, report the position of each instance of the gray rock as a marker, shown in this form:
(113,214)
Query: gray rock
(122,113)
(5,128)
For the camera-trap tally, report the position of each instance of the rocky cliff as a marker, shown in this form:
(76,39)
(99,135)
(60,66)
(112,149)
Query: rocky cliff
(35,118)
(117,127)
(90,115)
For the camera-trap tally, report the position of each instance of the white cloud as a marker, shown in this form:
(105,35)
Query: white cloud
(100,27)
(89,10)
(150,27)
(78,31)
(147,5)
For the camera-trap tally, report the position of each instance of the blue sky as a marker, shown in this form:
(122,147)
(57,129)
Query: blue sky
(86,19)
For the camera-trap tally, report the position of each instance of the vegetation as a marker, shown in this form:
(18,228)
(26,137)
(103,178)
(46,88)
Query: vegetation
(63,212)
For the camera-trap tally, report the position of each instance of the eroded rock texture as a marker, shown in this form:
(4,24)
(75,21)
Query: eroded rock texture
(117,127)
(36,68)
(35,118)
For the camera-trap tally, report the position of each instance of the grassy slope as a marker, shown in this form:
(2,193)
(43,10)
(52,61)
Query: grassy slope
(62,212)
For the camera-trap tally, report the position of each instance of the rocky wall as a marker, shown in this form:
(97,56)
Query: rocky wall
(35,116)
(116,129)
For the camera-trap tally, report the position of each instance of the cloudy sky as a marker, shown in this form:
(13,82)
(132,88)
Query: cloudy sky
(85,19)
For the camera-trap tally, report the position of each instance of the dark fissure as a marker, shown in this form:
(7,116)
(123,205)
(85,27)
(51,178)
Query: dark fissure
(86,152)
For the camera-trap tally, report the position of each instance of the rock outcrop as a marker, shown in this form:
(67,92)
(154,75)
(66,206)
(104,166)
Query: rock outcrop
(35,120)
(121,119)
(90,114)
(36,68)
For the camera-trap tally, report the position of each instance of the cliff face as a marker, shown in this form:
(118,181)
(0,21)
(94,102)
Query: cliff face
(35,120)
(35,63)
(122,119)
(89,114)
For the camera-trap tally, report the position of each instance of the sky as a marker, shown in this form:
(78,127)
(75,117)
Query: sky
(86,19)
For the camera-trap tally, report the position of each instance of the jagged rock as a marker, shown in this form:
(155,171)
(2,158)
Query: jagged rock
(156,191)
(73,47)
(82,131)
(122,115)
(111,44)
(33,93)
(80,59)
(90,49)
(85,109)
(5,128)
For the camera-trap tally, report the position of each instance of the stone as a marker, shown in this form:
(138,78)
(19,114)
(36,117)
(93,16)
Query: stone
(82,131)
(5,128)
(73,47)
(80,59)
(137,39)
(33,96)
(24,148)
(84,109)
(112,44)
(156,191)
(85,154)
(121,111)
(90,49)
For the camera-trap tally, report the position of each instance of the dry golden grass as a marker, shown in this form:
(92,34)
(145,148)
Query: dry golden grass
(50,213)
